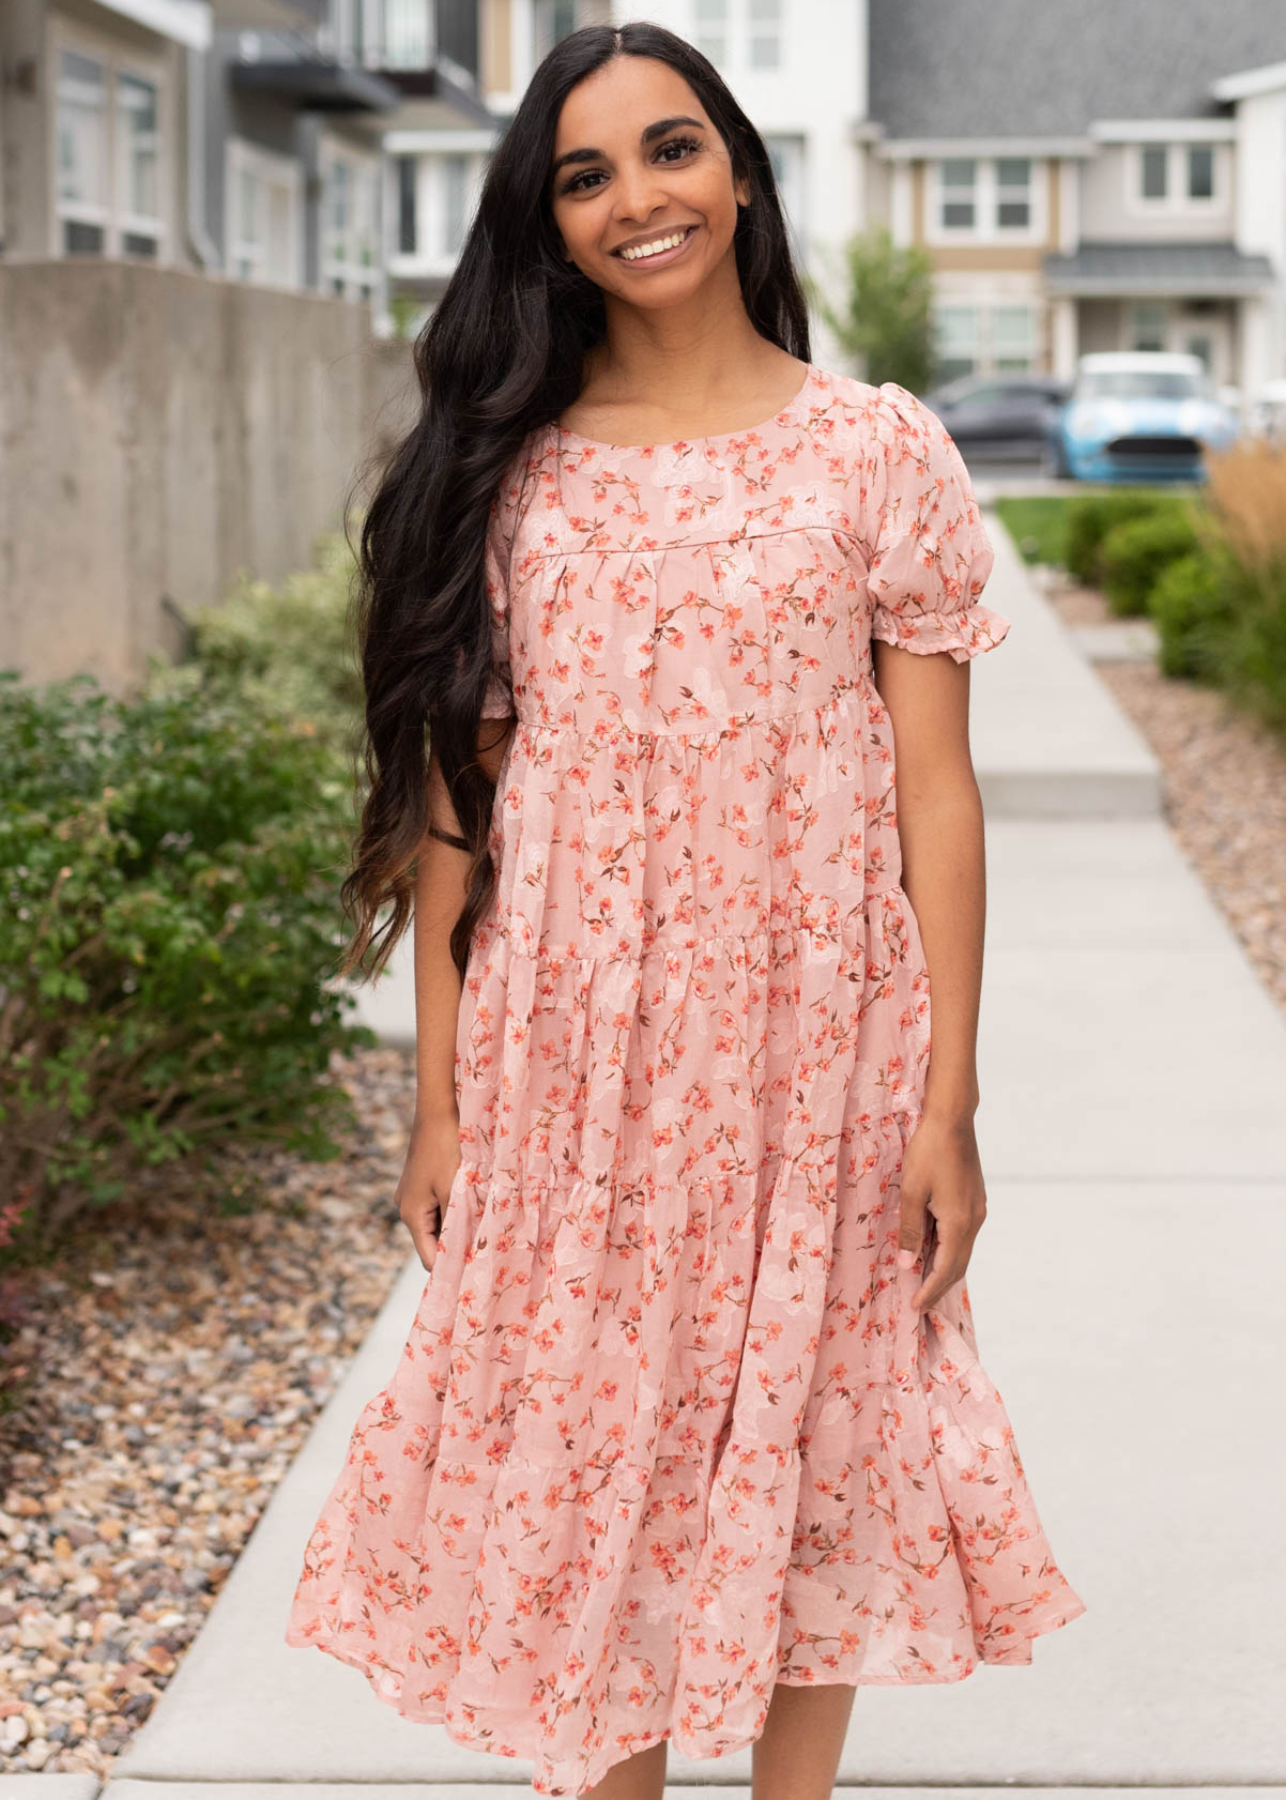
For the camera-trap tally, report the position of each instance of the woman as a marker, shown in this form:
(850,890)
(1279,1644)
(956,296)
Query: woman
(689,1438)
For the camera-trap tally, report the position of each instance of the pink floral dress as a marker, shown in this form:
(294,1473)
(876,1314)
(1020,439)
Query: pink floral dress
(666,1429)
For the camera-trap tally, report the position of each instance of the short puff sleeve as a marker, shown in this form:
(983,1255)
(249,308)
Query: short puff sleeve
(930,556)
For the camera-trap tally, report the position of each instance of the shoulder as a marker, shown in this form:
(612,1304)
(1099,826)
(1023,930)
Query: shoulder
(867,427)
(890,410)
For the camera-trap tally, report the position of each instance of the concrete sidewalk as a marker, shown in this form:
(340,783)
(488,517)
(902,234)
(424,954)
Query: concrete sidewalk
(1126,1290)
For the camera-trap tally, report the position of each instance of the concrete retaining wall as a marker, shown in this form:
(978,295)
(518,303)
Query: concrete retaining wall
(160,430)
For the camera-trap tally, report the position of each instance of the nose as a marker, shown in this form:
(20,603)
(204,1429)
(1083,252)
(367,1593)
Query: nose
(639,192)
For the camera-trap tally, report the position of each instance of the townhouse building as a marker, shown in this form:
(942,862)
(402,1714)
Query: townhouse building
(228,137)
(1109,175)
(1104,175)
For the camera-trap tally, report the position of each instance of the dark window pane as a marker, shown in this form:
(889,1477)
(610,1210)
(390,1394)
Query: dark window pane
(1155,159)
(1014,212)
(82,240)
(1201,172)
(457,32)
(135,244)
(406,167)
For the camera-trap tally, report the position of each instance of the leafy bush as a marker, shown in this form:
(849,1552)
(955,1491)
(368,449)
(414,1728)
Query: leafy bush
(1192,603)
(1134,553)
(1091,517)
(169,930)
(288,649)
(1251,650)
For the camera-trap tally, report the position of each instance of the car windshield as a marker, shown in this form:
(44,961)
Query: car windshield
(1140,384)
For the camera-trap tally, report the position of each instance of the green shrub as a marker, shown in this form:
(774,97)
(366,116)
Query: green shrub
(287,649)
(1134,553)
(169,933)
(1192,603)
(1089,519)
(1250,654)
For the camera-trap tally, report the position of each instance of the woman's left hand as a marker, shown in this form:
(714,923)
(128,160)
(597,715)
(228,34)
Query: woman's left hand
(942,1191)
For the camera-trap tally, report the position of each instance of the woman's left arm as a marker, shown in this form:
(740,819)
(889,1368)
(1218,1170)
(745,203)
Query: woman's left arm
(940,828)
(930,561)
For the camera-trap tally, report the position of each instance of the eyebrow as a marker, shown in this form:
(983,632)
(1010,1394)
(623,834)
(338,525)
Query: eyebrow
(645,137)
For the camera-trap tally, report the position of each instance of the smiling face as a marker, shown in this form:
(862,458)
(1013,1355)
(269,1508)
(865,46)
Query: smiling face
(642,187)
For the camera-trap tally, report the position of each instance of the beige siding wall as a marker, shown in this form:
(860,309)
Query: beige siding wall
(497,72)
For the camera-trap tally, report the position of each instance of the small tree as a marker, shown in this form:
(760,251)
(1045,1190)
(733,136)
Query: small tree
(885,323)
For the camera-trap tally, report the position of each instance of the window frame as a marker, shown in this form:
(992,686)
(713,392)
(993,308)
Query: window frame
(242,156)
(987,194)
(983,346)
(111,214)
(1178,201)
(729,35)
(345,278)
(433,255)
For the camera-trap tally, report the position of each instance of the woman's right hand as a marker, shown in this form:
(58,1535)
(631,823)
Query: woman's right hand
(432,1158)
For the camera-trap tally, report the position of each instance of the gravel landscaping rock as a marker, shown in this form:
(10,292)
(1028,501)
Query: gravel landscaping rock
(1225,788)
(167,1372)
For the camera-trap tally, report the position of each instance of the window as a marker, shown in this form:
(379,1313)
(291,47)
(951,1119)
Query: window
(349,213)
(138,172)
(394,34)
(1155,172)
(985,340)
(765,34)
(786,154)
(1173,179)
(1013,191)
(263,232)
(82,154)
(455,197)
(408,34)
(553,20)
(1201,172)
(957,341)
(1013,337)
(986,200)
(959,187)
(108,154)
(406,172)
(432,198)
(1148,320)
(711,35)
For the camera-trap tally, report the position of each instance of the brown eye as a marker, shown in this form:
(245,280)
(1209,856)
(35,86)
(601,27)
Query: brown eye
(573,184)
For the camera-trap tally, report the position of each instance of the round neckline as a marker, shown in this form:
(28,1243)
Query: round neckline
(720,437)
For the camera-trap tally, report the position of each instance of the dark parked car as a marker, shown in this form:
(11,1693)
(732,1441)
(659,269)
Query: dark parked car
(1009,416)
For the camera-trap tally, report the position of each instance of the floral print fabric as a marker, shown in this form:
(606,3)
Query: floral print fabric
(666,1429)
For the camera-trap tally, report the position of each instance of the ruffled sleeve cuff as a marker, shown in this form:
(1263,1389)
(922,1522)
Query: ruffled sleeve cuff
(931,556)
(964,633)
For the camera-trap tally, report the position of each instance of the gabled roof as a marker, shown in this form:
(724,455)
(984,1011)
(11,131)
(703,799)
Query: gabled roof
(1034,68)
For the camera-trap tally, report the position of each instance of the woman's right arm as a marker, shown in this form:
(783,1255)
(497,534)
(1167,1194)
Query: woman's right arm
(441,883)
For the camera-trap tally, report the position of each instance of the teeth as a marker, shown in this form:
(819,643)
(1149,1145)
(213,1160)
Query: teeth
(665,243)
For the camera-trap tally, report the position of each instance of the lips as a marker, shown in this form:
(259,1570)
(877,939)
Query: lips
(687,232)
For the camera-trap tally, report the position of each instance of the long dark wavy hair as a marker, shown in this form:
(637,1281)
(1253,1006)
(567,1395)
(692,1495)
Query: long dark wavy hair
(501,356)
